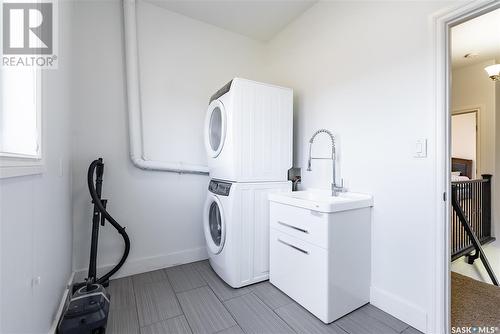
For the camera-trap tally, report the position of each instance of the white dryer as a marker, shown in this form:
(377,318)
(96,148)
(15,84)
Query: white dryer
(236,227)
(248,132)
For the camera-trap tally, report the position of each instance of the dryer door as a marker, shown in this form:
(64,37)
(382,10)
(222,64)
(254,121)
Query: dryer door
(214,224)
(215,128)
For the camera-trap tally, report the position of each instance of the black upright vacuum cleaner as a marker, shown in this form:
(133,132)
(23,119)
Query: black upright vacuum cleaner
(88,307)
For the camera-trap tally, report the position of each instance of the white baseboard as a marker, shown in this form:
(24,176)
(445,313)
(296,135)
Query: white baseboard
(410,313)
(60,309)
(145,264)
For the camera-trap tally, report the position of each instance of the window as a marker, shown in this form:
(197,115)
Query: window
(20,122)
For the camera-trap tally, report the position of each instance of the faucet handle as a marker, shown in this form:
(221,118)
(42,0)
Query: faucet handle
(342,189)
(336,185)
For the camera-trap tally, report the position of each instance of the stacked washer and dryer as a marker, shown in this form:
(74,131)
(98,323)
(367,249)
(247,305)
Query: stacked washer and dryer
(248,139)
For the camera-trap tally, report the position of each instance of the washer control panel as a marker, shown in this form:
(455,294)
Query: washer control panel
(219,187)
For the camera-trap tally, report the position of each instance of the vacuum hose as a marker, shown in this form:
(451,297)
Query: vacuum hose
(102,210)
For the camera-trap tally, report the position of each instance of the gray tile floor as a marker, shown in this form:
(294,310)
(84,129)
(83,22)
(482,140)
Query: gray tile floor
(191,298)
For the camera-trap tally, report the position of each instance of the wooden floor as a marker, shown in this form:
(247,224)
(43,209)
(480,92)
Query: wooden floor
(192,299)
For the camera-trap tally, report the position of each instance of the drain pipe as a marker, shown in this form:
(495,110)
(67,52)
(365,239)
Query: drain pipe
(134,102)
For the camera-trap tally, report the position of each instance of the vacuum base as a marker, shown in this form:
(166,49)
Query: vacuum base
(87,311)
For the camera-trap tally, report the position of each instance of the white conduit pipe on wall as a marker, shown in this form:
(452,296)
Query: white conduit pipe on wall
(134,101)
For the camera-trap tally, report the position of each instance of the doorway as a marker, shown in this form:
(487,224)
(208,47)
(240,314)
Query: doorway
(470,154)
(465,140)
(443,23)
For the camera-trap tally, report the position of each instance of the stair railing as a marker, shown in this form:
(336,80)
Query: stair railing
(479,252)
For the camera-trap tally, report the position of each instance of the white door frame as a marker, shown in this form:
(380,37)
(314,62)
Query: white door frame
(442,22)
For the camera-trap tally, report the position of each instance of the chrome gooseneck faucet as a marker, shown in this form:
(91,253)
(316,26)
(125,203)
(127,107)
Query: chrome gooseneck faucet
(336,189)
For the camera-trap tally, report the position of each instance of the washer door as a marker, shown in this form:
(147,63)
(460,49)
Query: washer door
(214,224)
(215,128)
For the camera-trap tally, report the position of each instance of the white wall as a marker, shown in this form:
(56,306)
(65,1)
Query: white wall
(35,212)
(361,69)
(183,62)
(364,70)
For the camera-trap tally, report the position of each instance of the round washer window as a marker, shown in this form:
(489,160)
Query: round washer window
(215,223)
(215,128)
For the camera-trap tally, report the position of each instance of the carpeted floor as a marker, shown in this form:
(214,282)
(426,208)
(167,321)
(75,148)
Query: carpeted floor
(474,303)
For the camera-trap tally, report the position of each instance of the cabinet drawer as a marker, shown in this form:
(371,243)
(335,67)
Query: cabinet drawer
(304,224)
(299,269)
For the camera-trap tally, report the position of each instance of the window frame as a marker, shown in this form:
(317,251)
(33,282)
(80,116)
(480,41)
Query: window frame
(13,164)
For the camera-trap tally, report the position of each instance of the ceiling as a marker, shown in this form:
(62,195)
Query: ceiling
(480,35)
(257,19)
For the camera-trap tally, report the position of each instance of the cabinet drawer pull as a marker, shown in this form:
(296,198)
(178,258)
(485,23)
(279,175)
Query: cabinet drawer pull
(294,247)
(294,227)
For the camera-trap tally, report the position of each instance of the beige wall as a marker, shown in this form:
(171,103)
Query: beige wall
(464,137)
(471,88)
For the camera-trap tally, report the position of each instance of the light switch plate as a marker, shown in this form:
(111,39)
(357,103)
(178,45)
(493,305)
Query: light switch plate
(420,148)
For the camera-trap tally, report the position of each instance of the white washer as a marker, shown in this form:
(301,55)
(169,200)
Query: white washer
(248,132)
(236,227)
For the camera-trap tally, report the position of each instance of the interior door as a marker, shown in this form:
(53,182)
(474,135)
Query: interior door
(215,128)
(464,134)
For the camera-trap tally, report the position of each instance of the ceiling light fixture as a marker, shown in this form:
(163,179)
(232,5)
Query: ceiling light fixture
(493,72)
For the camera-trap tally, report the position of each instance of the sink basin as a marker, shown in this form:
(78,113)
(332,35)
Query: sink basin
(322,200)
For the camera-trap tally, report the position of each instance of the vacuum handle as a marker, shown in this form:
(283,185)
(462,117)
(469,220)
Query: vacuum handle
(103,219)
(95,192)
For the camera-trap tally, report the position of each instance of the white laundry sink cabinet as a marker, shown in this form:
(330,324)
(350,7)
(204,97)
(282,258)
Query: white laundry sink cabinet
(320,250)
